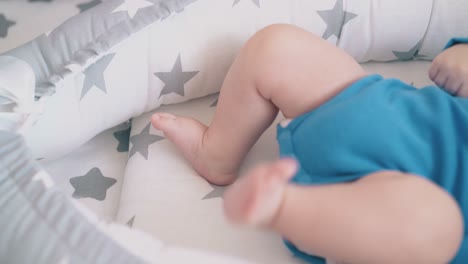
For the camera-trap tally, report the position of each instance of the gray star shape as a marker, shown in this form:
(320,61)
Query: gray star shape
(256,2)
(140,143)
(123,136)
(176,79)
(5,24)
(92,185)
(88,5)
(217,192)
(94,75)
(215,103)
(165,15)
(131,221)
(408,55)
(335,19)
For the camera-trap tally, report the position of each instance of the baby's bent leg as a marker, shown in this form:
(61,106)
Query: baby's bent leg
(386,217)
(280,68)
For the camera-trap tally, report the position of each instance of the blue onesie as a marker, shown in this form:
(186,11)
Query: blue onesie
(383,124)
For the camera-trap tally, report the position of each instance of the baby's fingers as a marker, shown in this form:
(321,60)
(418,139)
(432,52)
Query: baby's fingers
(434,70)
(449,70)
(453,85)
(463,91)
(441,78)
(438,72)
(453,78)
(461,75)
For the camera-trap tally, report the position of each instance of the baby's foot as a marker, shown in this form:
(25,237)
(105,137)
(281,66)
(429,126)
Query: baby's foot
(188,134)
(256,198)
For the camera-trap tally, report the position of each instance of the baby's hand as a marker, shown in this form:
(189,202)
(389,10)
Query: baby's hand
(449,70)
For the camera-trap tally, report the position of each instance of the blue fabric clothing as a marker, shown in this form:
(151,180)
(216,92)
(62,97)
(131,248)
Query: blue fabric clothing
(383,124)
(455,41)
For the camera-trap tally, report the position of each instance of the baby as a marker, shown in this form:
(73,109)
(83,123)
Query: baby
(373,170)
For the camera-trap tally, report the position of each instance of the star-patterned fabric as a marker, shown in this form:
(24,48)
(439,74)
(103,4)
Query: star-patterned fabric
(141,142)
(5,24)
(93,174)
(94,75)
(217,192)
(18,20)
(256,2)
(188,66)
(133,75)
(88,5)
(92,185)
(335,19)
(176,79)
(123,136)
(410,54)
(132,7)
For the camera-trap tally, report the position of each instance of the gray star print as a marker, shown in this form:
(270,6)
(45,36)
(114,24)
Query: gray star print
(88,5)
(130,222)
(335,19)
(217,192)
(94,75)
(140,143)
(214,104)
(176,79)
(256,2)
(408,55)
(92,185)
(4,25)
(123,136)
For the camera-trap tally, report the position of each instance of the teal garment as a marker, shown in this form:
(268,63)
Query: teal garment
(456,41)
(383,124)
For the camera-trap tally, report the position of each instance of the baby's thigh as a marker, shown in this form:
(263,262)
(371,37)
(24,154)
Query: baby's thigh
(297,70)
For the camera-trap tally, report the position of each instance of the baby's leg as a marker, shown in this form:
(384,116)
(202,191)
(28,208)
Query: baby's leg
(386,217)
(281,67)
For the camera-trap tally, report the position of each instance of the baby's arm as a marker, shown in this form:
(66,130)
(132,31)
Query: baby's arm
(449,70)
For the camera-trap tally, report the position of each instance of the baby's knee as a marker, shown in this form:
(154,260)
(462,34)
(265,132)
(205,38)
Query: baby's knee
(270,43)
(278,41)
(271,50)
